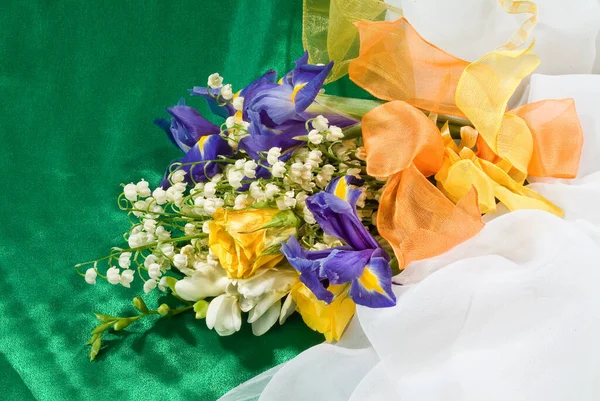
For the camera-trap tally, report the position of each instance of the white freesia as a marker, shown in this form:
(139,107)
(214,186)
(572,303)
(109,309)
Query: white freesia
(206,281)
(224,315)
(262,324)
(287,309)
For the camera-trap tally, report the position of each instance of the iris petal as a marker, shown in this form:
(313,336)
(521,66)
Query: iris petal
(207,148)
(374,287)
(262,138)
(340,187)
(210,95)
(166,126)
(343,266)
(276,102)
(309,269)
(338,218)
(314,83)
(192,122)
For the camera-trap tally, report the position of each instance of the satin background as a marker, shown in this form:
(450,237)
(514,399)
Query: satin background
(81,83)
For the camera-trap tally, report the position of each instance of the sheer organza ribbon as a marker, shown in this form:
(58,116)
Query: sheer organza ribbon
(328,33)
(493,157)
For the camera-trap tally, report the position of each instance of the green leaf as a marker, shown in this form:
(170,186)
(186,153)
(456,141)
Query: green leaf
(356,108)
(353,131)
(285,218)
(101,328)
(95,347)
(105,318)
(261,205)
(140,305)
(201,307)
(272,250)
(91,341)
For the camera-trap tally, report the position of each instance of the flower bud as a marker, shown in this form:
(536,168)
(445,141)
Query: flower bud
(164,309)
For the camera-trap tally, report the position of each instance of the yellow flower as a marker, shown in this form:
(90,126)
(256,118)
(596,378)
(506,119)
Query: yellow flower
(332,319)
(237,239)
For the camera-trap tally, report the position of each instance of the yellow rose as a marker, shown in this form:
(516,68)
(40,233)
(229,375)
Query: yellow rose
(237,239)
(332,319)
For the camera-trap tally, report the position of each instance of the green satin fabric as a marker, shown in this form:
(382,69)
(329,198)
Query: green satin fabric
(81,82)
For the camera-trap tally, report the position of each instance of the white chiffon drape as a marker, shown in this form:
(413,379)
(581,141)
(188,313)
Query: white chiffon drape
(511,314)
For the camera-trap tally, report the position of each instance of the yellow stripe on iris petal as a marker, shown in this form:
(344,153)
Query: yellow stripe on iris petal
(370,281)
(341,189)
(296,89)
(201,142)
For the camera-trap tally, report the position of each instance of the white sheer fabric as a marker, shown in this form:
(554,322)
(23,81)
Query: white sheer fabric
(566,33)
(512,314)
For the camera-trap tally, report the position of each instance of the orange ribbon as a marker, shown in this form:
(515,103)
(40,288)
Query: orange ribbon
(402,143)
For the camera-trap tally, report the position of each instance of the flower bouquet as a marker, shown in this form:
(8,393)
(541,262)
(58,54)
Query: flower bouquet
(300,201)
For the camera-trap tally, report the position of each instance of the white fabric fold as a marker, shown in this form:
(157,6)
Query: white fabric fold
(511,314)
(565,34)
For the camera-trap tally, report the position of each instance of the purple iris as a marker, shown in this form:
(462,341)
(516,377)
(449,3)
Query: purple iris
(196,136)
(361,262)
(277,112)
